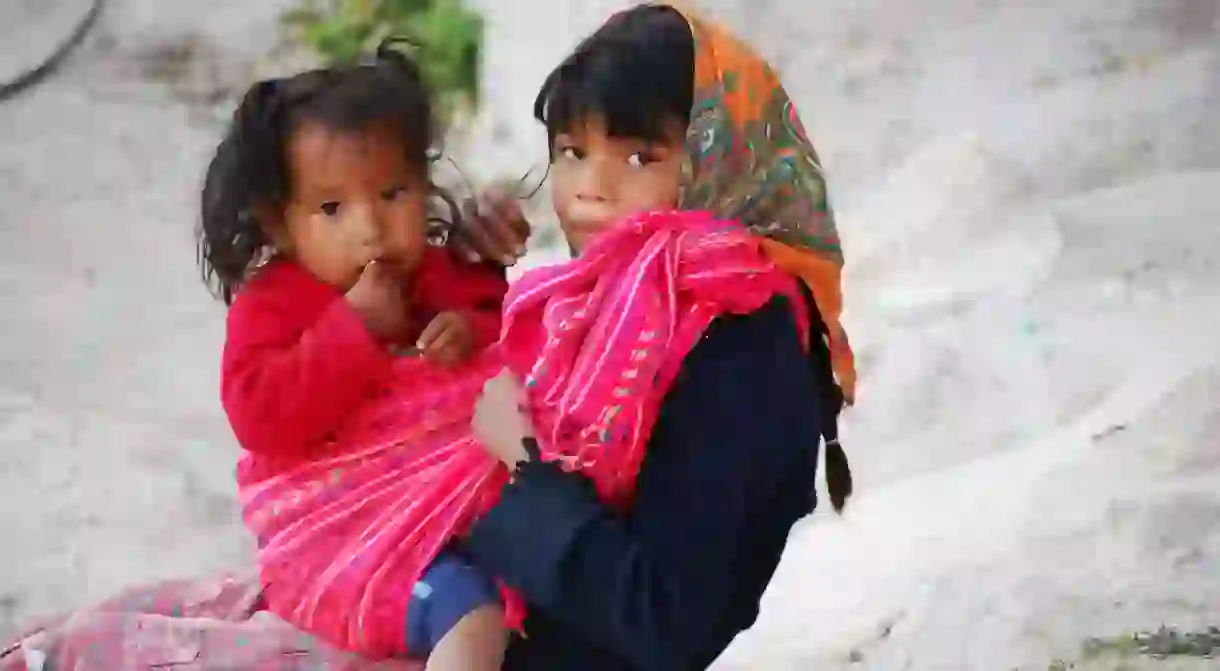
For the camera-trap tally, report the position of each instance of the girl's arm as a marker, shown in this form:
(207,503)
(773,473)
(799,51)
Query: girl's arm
(495,234)
(716,489)
(291,374)
(475,290)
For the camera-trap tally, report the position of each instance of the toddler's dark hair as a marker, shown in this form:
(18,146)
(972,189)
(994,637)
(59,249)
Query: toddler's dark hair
(636,73)
(249,172)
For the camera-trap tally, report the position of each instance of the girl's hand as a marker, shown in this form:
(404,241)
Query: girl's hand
(448,339)
(378,297)
(500,423)
(493,230)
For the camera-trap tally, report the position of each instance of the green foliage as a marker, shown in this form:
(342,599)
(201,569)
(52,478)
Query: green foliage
(448,37)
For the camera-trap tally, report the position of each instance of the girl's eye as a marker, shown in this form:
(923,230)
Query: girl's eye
(394,193)
(571,153)
(330,208)
(640,159)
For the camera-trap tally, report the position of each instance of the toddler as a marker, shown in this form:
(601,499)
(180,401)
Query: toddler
(315,234)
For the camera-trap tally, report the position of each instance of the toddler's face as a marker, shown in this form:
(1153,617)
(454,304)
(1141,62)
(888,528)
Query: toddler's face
(597,179)
(354,199)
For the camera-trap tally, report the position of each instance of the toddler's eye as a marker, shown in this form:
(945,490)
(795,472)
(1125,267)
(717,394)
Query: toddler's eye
(571,153)
(394,192)
(330,208)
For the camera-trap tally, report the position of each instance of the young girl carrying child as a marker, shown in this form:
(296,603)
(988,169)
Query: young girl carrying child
(315,231)
(686,184)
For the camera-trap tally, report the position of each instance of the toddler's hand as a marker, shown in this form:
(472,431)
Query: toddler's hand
(448,339)
(378,297)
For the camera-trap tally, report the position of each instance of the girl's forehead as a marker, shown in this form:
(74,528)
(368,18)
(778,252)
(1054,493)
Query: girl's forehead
(595,128)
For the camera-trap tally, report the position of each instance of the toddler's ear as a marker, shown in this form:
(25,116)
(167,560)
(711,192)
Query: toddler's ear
(275,229)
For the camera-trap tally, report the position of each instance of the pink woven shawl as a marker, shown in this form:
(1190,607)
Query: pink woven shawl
(598,341)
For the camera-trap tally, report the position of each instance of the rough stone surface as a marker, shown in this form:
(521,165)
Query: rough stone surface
(1028,199)
(32,30)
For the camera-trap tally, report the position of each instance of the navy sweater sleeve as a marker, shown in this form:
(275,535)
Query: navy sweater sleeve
(653,587)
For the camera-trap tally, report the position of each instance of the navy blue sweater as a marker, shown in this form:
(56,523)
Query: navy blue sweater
(730,468)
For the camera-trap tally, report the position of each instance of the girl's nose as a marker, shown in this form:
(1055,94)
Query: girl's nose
(594,186)
(590,196)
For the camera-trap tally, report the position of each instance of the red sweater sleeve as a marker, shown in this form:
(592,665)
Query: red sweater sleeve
(445,284)
(297,360)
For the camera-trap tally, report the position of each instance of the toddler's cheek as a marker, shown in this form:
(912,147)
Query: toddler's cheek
(407,260)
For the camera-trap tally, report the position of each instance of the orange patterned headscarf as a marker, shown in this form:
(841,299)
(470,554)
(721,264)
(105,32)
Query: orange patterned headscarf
(750,160)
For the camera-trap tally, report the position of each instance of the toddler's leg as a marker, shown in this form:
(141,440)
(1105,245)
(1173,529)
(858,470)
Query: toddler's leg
(476,643)
(455,618)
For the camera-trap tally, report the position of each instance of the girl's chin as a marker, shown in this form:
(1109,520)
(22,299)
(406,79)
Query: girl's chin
(577,239)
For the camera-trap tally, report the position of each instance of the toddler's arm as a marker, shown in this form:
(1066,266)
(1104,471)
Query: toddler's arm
(292,373)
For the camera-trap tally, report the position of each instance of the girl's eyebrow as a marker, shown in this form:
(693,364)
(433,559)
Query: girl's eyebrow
(639,143)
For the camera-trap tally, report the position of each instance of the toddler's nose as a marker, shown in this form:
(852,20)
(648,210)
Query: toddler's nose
(367,234)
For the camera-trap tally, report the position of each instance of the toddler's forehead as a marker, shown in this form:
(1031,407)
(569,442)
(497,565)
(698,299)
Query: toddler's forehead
(319,153)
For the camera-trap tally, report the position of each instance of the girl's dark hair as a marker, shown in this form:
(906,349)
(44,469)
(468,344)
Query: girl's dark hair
(249,172)
(636,73)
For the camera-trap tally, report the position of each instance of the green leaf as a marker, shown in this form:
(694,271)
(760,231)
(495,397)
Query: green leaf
(449,37)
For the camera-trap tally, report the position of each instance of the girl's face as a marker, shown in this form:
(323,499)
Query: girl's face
(598,179)
(354,199)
